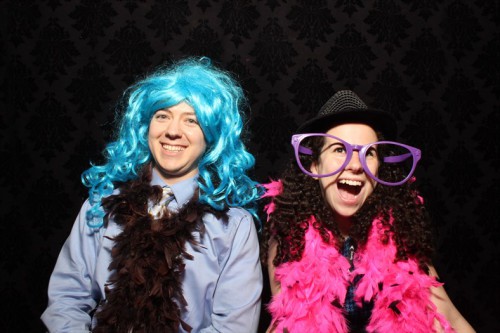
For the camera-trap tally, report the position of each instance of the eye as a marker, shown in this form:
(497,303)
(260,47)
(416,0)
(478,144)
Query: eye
(372,152)
(191,121)
(335,149)
(160,115)
(338,149)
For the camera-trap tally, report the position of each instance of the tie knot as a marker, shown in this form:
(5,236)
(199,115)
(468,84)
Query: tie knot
(158,210)
(167,191)
(166,196)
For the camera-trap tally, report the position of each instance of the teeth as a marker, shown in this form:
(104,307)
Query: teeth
(172,148)
(350,182)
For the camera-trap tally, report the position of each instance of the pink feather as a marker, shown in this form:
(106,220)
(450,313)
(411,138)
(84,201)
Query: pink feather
(274,188)
(309,286)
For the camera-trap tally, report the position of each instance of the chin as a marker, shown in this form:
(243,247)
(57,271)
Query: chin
(347,212)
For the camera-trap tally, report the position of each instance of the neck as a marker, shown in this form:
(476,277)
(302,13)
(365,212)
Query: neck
(344,223)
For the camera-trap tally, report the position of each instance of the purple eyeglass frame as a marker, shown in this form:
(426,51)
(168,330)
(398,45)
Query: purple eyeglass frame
(361,149)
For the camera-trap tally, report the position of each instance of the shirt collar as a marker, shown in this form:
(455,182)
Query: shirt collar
(183,190)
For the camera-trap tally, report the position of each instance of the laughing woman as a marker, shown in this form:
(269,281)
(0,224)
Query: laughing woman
(347,242)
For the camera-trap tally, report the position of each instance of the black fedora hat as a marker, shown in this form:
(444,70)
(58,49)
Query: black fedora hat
(346,107)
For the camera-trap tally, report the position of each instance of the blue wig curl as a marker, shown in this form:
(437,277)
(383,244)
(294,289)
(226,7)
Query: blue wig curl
(217,100)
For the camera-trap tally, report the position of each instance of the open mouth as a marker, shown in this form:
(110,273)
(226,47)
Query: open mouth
(349,189)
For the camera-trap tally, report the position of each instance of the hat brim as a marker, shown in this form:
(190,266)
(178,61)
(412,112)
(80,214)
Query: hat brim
(379,120)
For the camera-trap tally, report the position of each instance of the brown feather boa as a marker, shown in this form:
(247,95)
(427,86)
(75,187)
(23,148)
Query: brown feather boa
(147,260)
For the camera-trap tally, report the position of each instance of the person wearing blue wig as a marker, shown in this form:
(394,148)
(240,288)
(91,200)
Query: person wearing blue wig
(166,241)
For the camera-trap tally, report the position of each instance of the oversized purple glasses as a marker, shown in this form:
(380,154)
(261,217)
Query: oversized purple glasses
(395,161)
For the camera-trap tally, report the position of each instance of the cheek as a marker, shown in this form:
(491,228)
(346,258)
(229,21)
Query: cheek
(373,166)
(371,187)
(151,139)
(323,166)
(153,133)
(196,135)
(327,184)
(154,130)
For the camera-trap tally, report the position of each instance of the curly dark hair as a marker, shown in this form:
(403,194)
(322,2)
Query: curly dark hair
(302,198)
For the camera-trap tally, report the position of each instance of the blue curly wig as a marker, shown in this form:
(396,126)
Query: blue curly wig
(217,100)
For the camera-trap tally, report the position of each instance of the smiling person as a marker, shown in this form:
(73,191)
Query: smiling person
(166,241)
(347,243)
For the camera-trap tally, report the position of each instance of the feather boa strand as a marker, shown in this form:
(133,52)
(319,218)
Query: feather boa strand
(309,287)
(144,293)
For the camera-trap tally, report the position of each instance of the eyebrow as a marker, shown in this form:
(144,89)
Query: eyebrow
(328,146)
(189,113)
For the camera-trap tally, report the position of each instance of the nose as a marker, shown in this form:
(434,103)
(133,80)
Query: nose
(354,164)
(173,129)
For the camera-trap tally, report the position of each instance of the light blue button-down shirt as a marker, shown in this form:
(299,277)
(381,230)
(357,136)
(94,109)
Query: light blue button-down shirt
(222,283)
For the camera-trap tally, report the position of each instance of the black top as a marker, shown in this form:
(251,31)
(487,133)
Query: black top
(357,317)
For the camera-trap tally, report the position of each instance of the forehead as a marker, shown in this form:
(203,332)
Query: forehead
(354,133)
(181,108)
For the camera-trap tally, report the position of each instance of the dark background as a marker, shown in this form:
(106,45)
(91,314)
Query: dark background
(433,64)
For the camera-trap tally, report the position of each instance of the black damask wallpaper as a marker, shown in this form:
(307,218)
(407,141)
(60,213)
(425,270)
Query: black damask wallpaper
(433,63)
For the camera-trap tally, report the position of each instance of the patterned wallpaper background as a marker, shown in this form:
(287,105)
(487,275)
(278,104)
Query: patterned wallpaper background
(434,64)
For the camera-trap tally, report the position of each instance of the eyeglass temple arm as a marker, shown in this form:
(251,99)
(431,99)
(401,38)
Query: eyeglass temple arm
(397,158)
(304,150)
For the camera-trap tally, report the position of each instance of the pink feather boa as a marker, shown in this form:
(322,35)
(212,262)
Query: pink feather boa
(309,286)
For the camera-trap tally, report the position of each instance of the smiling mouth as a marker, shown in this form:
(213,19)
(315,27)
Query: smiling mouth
(349,189)
(172,148)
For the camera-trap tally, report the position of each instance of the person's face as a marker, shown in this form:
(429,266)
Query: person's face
(346,191)
(176,142)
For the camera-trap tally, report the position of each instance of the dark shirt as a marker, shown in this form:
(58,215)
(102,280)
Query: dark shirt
(357,317)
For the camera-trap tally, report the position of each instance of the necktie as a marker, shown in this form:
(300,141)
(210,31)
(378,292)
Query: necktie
(159,209)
